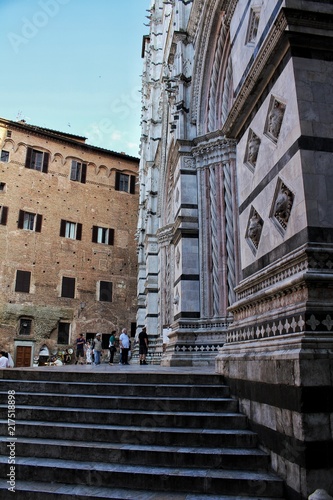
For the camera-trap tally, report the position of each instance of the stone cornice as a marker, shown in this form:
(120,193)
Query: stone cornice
(288,22)
(165,234)
(246,98)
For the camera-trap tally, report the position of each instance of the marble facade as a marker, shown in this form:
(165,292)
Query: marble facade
(235,224)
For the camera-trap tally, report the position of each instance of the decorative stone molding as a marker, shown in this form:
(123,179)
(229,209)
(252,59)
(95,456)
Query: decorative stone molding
(213,148)
(279,297)
(274,328)
(272,279)
(198,347)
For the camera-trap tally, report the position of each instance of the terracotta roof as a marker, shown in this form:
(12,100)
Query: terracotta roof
(62,136)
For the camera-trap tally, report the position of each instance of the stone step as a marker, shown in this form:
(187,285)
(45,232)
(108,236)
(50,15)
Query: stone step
(120,377)
(140,454)
(130,435)
(163,479)
(117,388)
(145,434)
(33,490)
(124,402)
(208,420)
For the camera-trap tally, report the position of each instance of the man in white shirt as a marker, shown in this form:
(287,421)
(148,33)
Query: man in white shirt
(4,363)
(124,345)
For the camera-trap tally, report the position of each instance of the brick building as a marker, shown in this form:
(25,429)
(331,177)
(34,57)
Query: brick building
(68,216)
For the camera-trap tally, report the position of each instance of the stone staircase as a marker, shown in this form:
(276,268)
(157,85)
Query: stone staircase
(140,436)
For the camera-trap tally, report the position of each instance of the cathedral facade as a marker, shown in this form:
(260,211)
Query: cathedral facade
(235,224)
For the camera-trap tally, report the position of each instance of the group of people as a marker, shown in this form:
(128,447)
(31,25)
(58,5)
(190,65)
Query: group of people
(88,352)
(91,352)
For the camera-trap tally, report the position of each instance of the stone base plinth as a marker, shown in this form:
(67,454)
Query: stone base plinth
(284,386)
(194,344)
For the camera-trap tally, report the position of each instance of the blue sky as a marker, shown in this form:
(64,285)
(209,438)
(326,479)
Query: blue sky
(75,66)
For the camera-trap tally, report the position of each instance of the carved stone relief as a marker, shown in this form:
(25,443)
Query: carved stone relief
(252,150)
(254,229)
(252,29)
(282,205)
(274,119)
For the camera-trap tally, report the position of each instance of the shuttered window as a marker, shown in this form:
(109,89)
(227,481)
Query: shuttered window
(68,287)
(72,230)
(4,156)
(37,160)
(103,235)
(3,215)
(78,171)
(105,291)
(125,182)
(29,221)
(63,332)
(22,281)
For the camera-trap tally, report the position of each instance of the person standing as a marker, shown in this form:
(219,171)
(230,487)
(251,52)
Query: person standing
(88,351)
(143,345)
(97,346)
(112,346)
(124,345)
(80,343)
(4,363)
